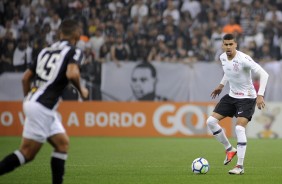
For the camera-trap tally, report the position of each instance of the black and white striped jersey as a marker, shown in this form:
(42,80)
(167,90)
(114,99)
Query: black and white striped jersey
(50,72)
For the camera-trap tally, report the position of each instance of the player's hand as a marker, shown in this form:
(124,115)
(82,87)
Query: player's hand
(260,102)
(84,93)
(216,92)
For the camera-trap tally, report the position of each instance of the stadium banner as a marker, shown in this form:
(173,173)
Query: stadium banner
(132,119)
(266,123)
(176,82)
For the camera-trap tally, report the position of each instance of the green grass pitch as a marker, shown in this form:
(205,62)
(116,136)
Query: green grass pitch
(104,160)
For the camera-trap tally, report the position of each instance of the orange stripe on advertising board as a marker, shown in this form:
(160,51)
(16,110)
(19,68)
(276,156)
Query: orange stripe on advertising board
(132,119)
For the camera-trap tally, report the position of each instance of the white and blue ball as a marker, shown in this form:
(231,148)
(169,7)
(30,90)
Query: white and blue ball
(200,166)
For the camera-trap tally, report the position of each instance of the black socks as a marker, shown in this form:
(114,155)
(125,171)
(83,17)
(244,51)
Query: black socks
(10,162)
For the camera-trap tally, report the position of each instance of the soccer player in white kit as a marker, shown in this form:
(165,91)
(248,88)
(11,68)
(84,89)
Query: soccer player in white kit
(54,68)
(241,100)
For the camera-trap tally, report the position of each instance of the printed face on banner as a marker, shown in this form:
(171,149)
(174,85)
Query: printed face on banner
(142,82)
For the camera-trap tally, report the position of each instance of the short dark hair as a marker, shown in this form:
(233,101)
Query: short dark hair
(68,26)
(229,37)
(149,66)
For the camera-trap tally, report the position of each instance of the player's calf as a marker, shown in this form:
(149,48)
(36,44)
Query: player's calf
(58,166)
(11,161)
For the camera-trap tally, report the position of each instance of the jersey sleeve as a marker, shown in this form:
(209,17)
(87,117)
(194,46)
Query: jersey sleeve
(258,69)
(224,80)
(250,63)
(78,56)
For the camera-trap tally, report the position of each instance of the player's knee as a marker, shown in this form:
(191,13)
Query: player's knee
(213,125)
(63,146)
(212,122)
(239,129)
(28,154)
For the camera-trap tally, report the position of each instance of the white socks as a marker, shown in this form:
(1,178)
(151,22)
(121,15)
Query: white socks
(241,144)
(218,132)
(20,157)
(62,156)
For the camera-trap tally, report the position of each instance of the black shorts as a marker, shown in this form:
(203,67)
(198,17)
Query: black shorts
(243,107)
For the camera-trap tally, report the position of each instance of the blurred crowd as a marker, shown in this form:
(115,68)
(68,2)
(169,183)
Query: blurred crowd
(140,30)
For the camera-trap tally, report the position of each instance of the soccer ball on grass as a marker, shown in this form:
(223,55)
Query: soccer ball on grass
(200,166)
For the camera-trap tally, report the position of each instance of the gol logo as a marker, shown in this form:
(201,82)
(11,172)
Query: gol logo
(175,121)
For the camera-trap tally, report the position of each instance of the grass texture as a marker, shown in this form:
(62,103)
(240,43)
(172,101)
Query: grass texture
(113,160)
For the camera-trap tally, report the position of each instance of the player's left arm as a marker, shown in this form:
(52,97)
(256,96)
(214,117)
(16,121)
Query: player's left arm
(249,62)
(263,75)
(73,73)
(262,85)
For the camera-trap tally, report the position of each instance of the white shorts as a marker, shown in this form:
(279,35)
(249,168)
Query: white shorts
(40,122)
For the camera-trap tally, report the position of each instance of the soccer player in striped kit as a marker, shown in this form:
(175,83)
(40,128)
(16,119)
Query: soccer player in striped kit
(54,68)
(241,100)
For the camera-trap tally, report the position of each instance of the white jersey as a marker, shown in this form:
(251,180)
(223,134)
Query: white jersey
(238,72)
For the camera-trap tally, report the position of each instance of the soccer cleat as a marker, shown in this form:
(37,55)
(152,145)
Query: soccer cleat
(229,156)
(238,169)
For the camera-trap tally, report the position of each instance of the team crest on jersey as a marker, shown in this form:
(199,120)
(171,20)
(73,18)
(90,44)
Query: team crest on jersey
(236,67)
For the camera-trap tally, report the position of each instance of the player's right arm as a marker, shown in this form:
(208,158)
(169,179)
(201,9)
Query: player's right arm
(218,90)
(26,81)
